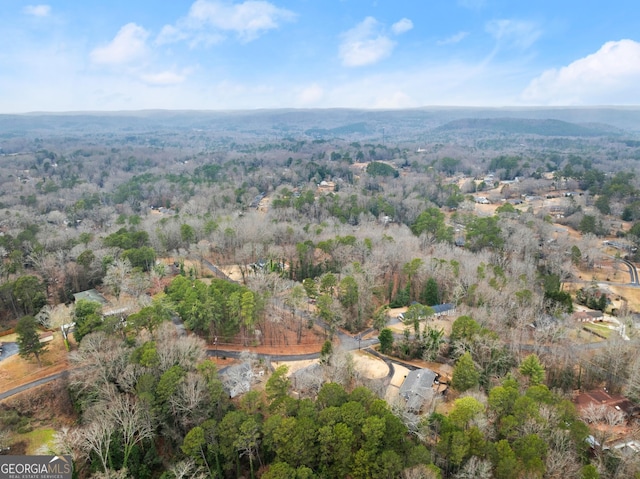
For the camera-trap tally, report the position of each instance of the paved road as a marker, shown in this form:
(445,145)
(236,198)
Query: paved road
(272,357)
(33,384)
(633,272)
(214,269)
(8,349)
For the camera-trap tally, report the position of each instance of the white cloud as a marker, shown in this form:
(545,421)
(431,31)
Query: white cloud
(128,45)
(37,10)
(164,78)
(248,20)
(609,76)
(453,39)
(518,33)
(170,34)
(402,26)
(310,95)
(365,44)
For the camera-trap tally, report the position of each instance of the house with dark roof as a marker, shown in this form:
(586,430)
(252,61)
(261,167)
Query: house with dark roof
(446,309)
(587,316)
(600,397)
(418,388)
(611,419)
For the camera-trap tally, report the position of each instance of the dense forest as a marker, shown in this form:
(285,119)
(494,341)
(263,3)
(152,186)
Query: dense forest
(330,223)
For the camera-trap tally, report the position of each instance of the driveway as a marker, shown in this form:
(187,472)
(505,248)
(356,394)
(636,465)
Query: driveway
(8,349)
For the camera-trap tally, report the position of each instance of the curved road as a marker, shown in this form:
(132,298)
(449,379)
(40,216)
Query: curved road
(633,272)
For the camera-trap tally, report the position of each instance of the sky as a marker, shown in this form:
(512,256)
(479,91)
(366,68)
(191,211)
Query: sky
(72,55)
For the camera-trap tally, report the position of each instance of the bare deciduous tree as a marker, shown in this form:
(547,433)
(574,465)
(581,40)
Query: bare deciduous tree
(189,400)
(561,460)
(421,472)
(185,351)
(341,370)
(475,468)
(95,439)
(131,417)
(604,419)
(110,474)
(187,469)
(103,360)
(118,276)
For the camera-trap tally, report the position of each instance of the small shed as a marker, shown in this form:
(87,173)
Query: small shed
(46,337)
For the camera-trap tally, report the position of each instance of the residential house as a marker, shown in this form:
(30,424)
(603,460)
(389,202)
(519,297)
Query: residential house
(446,309)
(417,388)
(237,379)
(588,316)
(90,295)
(601,397)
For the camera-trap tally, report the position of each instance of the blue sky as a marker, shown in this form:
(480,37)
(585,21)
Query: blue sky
(70,55)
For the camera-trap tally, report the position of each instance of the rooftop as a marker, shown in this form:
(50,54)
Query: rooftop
(90,295)
(443,308)
(417,386)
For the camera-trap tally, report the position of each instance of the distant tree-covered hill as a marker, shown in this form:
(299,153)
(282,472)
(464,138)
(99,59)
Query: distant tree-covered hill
(548,127)
(327,123)
(353,128)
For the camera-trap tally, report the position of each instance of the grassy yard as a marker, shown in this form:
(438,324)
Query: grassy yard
(35,440)
(599,329)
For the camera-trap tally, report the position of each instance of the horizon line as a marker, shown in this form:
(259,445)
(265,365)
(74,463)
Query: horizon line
(307,109)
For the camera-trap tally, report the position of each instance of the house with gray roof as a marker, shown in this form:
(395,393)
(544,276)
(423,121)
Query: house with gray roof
(90,295)
(418,388)
(237,379)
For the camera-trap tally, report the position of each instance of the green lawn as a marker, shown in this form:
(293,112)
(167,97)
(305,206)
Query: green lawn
(600,329)
(36,439)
